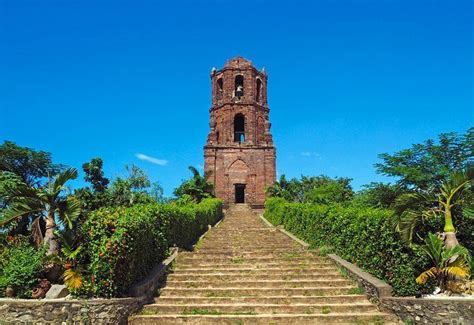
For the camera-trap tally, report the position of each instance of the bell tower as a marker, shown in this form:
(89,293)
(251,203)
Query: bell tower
(239,152)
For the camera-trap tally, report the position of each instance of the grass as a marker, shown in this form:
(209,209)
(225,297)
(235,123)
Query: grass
(199,244)
(324,250)
(376,320)
(356,291)
(343,272)
(198,311)
(148,311)
(325,310)
(237,260)
(291,255)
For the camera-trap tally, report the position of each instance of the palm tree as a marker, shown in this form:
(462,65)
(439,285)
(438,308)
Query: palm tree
(197,187)
(50,202)
(412,208)
(448,264)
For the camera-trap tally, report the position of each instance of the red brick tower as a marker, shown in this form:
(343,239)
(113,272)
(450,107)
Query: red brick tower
(239,151)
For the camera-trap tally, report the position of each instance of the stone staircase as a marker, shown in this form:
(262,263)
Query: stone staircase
(245,272)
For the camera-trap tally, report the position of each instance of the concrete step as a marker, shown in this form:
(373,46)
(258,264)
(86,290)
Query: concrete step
(238,269)
(331,318)
(220,259)
(253,308)
(170,291)
(245,277)
(263,300)
(242,245)
(245,264)
(257,255)
(257,250)
(250,241)
(278,284)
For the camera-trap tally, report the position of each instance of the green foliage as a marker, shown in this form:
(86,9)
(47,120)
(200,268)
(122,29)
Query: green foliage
(30,165)
(198,188)
(320,189)
(125,243)
(49,201)
(20,264)
(447,263)
(95,174)
(9,182)
(427,165)
(136,188)
(377,195)
(453,197)
(363,236)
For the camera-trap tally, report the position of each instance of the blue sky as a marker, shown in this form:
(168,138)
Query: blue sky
(128,79)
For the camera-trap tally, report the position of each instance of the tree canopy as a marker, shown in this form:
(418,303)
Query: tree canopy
(315,189)
(30,165)
(427,165)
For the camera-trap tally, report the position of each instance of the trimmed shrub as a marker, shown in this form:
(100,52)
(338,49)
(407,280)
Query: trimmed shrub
(363,236)
(20,267)
(124,244)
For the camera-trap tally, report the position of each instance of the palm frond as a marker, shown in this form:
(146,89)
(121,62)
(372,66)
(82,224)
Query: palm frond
(434,248)
(424,276)
(62,178)
(410,201)
(457,271)
(72,279)
(456,251)
(17,211)
(194,171)
(69,210)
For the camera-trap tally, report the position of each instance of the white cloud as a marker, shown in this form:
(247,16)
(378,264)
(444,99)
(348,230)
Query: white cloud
(153,160)
(310,154)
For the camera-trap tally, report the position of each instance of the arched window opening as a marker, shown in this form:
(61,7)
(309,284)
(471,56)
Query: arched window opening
(239,86)
(217,136)
(259,90)
(239,128)
(219,88)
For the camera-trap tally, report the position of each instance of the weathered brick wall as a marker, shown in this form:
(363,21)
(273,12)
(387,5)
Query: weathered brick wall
(252,162)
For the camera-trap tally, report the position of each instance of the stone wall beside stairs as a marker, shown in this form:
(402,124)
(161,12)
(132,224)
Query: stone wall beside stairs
(431,310)
(57,311)
(85,311)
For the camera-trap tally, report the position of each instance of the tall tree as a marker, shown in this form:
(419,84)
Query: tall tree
(95,174)
(27,163)
(52,204)
(427,165)
(131,190)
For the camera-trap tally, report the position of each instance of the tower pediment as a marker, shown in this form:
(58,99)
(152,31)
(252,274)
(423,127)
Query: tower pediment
(238,62)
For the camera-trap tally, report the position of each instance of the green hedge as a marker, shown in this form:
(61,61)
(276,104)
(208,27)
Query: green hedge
(20,264)
(124,244)
(362,236)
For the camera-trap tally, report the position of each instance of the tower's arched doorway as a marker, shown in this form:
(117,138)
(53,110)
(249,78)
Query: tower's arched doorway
(239,193)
